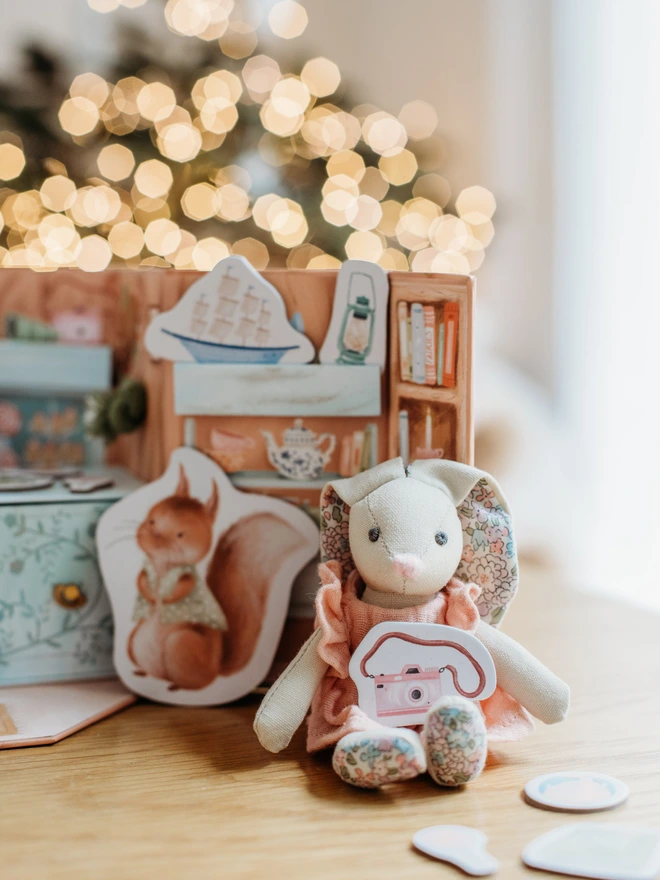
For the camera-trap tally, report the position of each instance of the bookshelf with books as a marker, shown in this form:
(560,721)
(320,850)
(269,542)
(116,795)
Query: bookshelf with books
(430,347)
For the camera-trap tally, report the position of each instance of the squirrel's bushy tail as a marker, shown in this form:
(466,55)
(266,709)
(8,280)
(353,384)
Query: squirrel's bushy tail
(245,562)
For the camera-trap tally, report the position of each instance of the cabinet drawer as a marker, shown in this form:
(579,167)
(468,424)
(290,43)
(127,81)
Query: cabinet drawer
(55,619)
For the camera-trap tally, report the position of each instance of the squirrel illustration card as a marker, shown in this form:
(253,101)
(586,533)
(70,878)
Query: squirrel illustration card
(199,577)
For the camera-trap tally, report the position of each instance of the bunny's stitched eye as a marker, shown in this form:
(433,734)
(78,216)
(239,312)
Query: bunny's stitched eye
(441,538)
(374,534)
(179,534)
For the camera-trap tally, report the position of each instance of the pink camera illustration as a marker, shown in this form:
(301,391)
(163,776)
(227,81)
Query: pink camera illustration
(408,691)
(402,669)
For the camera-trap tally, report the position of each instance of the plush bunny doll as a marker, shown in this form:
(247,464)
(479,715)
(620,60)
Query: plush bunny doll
(431,544)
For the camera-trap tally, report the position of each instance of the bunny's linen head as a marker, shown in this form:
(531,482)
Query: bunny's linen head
(178,530)
(406,537)
(404,533)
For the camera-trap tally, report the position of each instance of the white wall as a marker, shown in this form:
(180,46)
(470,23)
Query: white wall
(608,307)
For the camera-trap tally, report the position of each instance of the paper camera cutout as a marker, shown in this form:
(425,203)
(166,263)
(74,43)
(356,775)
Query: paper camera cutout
(402,669)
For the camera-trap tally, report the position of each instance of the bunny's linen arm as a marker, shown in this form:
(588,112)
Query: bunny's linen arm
(526,679)
(284,707)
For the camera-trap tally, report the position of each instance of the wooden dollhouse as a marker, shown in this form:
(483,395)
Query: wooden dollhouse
(347,417)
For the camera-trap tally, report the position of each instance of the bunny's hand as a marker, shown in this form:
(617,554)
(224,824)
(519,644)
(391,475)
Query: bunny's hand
(284,707)
(526,679)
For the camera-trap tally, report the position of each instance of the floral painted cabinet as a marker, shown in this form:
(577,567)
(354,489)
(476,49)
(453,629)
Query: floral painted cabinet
(55,619)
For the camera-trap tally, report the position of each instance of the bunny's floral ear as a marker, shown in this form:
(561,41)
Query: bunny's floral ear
(337,499)
(489,556)
(334,530)
(489,551)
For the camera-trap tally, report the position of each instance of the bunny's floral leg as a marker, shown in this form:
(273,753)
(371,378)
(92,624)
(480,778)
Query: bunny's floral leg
(370,759)
(455,739)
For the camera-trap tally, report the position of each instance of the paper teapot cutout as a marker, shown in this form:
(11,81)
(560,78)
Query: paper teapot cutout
(402,669)
(300,457)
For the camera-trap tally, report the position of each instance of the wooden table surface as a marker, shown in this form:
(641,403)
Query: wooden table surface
(159,792)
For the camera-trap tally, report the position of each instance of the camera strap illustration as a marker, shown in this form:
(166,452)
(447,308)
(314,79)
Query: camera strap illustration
(432,643)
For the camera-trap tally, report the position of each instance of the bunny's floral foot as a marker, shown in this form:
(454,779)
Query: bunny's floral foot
(370,760)
(455,740)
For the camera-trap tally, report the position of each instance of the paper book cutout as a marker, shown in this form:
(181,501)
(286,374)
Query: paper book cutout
(402,669)
(418,344)
(232,315)
(459,845)
(358,328)
(199,577)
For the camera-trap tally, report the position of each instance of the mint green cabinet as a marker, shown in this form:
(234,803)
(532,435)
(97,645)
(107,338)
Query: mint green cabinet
(55,618)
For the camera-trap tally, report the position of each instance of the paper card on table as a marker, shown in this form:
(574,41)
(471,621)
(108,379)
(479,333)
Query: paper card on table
(402,669)
(459,845)
(232,315)
(599,850)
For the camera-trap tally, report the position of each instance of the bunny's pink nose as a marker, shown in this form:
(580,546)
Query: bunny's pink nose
(407,565)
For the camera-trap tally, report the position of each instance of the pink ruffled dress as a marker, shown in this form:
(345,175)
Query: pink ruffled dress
(345,620)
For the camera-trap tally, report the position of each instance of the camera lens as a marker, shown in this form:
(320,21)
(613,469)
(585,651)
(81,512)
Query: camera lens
(415,694)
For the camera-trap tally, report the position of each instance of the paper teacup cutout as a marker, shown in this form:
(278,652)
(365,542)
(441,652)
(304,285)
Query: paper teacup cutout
(598,850)
(576,792)
(459,845)
(402,669)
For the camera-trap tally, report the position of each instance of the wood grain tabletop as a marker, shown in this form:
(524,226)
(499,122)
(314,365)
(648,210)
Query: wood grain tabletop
(161,792)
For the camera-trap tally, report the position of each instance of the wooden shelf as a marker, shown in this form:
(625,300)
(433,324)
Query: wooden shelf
(432,393)
(288,390)
(448,409)
(46,367)
(273,480)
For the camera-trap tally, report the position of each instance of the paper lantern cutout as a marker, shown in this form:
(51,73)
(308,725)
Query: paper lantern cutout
(199,577)
(358,328)
(230,316)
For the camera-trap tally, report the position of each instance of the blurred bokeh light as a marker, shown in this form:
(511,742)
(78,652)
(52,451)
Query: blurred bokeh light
(164,164)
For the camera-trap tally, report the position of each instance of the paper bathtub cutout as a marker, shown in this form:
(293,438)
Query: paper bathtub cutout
(199,577)
(230,316)
(597,849)
(400,673)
